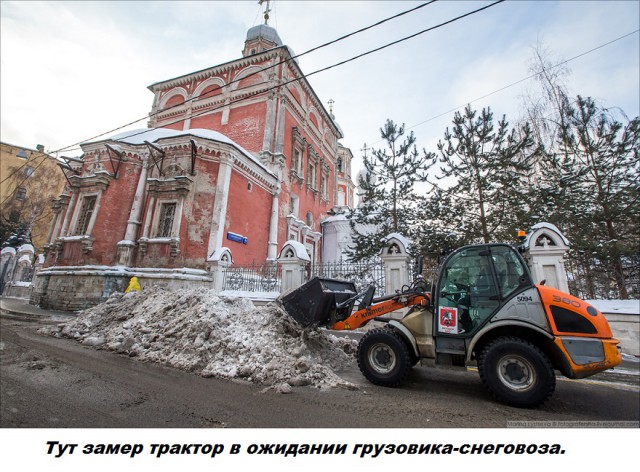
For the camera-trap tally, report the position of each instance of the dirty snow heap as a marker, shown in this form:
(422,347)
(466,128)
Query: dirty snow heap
(198,331)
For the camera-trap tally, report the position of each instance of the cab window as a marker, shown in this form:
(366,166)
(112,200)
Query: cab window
(467,293)
(510,271)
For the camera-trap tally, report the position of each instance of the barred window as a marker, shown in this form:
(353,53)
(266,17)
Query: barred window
(165,225)
(86,212)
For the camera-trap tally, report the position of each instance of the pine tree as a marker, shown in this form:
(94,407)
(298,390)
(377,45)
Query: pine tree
(388,199)
(480,197)
(586,182)
(597,192)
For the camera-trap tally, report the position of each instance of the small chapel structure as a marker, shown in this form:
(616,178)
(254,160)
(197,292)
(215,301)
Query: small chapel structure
(237,159)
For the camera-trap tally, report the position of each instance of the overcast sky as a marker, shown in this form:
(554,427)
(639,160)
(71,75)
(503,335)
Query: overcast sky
(73,70)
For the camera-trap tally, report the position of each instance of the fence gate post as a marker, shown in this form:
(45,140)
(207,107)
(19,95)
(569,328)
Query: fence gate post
(293,259)
(7,263)
(397,262)
(545,247)
(218,262)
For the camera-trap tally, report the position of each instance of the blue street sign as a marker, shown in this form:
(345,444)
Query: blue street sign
(238,238)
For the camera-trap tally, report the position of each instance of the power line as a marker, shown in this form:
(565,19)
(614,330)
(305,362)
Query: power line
(522,80)
(516,83)
(10,195)
(304,76)
(203,96)
(21,167)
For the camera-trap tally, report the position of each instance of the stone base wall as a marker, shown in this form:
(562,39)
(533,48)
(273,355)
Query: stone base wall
(17,291)
(626,328)
(68,291)
(73,293)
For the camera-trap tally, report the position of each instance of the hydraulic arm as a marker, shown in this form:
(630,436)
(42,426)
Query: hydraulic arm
(397,302)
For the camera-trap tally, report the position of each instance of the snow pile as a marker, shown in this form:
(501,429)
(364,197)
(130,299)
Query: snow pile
(197,331)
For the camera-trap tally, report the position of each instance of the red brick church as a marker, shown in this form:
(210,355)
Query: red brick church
(238,159)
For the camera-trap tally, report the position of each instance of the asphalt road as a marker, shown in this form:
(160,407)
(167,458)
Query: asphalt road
(47,382)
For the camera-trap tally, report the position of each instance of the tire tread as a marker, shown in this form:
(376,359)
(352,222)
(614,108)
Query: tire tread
(531,399)
(405,362)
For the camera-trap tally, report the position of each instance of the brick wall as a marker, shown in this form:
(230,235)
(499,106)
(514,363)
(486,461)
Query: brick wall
(248,214)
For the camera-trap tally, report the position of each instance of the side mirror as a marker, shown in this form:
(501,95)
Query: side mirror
(543,281)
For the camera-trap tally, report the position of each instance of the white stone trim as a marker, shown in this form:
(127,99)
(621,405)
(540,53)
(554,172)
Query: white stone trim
(207,83)
(178,91)
(76,212)
(175,228)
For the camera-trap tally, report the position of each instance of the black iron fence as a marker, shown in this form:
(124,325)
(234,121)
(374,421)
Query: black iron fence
(252,278)
(268,277)
(362,274)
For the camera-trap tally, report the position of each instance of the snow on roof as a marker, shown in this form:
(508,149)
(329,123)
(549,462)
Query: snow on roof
(218,253)
(337,217)
(628,307)
(153,135)
(399,237)
(116,147)
(150,273)
(548,226)
(299,249)
(26,248)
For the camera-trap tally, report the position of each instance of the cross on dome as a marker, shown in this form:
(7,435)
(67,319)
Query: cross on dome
(266,10)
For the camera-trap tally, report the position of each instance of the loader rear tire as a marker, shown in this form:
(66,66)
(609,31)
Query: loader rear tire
(516,372)
(383,357)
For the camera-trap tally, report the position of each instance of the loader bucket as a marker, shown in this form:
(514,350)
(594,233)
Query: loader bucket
(320,302)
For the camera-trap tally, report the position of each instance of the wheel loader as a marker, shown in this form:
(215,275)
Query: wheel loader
(484,310)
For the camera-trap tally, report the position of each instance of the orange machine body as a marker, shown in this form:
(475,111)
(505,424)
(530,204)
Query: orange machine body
(581,333)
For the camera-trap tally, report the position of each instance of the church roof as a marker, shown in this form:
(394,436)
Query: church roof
(153,135)
(256,32)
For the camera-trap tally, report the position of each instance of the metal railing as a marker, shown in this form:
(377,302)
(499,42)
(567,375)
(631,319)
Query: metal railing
(362,274)
(267,278)
(252,278)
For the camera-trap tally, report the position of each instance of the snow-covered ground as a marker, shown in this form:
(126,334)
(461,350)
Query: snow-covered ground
(214,336)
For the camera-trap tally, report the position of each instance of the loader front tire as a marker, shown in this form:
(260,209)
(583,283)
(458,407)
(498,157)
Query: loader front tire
(516,372)
(383,357)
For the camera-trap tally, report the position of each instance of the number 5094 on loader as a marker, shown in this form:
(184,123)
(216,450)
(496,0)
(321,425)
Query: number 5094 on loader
(484,309)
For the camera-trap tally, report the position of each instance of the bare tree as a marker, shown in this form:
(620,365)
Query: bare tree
(27,205)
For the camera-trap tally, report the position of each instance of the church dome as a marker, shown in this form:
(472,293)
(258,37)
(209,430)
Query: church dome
(367,176)
(264,32)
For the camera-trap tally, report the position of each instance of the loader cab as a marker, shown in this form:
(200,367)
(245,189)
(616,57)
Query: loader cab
(475,281)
